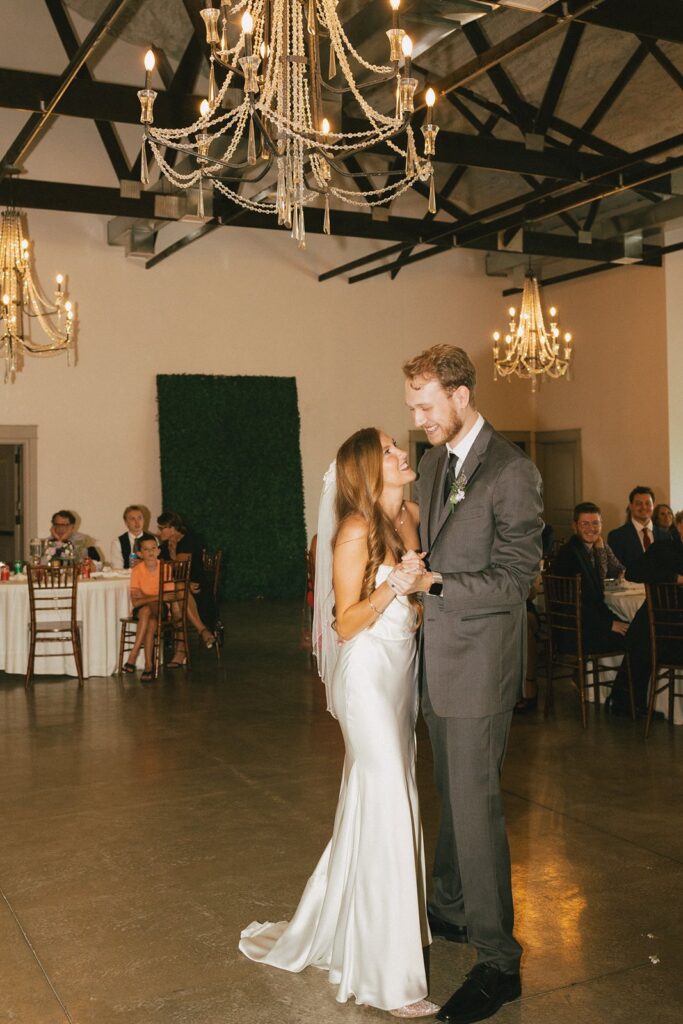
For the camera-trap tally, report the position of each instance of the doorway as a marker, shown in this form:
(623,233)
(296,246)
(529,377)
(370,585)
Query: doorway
(18,470)
(11,525)
(558,457)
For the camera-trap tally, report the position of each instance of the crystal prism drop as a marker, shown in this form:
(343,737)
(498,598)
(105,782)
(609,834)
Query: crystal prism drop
(144,169)
(302,229)
(200,201)
(212,87)
(332,71)
(326,220)
(251,147)
(432,193)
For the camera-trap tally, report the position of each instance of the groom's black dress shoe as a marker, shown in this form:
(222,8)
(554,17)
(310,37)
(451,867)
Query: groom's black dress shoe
(446,930)
(485,990)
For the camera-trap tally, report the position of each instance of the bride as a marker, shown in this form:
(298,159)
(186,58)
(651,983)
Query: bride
(362,916)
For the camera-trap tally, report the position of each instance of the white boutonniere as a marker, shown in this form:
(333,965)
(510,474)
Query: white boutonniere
(458,491)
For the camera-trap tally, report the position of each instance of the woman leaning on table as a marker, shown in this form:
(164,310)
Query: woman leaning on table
(176,540)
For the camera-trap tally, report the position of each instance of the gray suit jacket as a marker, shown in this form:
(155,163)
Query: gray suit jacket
(488,550)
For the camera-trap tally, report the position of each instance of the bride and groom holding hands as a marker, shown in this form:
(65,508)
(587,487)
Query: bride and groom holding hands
(431,592)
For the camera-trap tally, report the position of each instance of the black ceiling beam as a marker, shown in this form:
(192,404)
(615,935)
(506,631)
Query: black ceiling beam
(106,131)
(490,153)
(52,195)
(527,36)
(616,88)
(28,90)
(592,214)
(668,65)
(182,243)
(656,19)
(37,123)
(500,80)
(558,77)
(534,244)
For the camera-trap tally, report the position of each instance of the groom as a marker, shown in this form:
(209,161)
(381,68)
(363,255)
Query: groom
(480,523)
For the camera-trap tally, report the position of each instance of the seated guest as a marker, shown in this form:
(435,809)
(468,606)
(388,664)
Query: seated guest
(630,540)
(175,541)
(65,543)
(125,545)
(663,517)
(661,563)
(144,596)
(587,555)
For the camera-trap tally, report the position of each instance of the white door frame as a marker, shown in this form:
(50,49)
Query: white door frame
(27,437)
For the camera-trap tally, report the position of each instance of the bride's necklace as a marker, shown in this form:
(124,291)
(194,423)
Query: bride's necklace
(397,525)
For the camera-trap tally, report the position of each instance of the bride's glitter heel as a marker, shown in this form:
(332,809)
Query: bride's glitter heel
(422,1008)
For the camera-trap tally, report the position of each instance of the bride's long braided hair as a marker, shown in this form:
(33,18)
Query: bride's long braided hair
(360,481)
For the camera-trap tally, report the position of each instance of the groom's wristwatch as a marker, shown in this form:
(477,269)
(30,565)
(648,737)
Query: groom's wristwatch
(436,589)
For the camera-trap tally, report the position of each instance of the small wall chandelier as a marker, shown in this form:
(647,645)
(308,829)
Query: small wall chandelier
(20,296)
(278,121)
(529,349)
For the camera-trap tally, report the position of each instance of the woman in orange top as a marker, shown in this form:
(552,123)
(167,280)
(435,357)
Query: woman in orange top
(144,596)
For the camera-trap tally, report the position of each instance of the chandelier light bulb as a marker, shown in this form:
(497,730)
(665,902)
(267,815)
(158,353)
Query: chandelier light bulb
(407,46)
(205,108)
(567,337)
(430,97)
(247,23)
(150,61)
(496,335)
(5,300)
(24,244)
(395,4)
(553,312)
(511,312)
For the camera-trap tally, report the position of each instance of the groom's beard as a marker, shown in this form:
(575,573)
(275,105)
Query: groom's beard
(453,427)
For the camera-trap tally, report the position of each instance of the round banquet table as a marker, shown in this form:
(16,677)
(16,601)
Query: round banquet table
(101,604)
(625,600)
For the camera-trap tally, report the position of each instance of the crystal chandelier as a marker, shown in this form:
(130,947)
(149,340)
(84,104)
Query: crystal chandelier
(529,349)
(20,296)
(278,121)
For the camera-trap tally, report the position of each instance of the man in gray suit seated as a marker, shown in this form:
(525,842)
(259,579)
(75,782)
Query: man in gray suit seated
(480,523)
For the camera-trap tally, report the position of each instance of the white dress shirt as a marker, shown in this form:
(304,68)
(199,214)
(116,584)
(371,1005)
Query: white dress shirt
(116,554)
(462,448)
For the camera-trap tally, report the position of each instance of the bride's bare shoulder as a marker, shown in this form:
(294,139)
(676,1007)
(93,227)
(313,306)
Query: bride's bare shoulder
(353,528)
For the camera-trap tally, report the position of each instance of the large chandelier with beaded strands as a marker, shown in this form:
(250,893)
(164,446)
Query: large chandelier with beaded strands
(22,301)
(272,150)
(530,349)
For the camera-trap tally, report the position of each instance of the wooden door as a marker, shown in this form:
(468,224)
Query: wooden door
(11,545)
(558,457)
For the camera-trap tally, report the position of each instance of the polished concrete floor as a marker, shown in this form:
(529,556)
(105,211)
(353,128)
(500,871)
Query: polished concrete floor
(144,825)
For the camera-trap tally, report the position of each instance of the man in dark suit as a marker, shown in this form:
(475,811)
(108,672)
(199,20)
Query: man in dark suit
(661,563)
(480,521)
(587,555)
(630,540)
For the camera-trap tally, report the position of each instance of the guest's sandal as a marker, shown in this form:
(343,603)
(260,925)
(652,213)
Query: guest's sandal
(128,668)
(207,638)
(147,676)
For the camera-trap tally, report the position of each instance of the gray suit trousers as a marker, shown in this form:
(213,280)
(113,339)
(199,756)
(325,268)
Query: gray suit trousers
(471,879)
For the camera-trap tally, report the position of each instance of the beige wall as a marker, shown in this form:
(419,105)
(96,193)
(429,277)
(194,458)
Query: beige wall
(618,397)
(237,302)
(674,311)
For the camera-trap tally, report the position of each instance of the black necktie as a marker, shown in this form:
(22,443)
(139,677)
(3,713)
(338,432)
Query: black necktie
(449,479)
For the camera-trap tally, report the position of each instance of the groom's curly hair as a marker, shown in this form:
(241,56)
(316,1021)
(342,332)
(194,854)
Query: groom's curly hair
(451,366)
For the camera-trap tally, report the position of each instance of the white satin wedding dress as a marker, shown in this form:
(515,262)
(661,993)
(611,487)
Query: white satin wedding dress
(362,915)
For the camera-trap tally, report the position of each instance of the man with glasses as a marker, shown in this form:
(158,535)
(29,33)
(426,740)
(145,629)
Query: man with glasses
(65,543)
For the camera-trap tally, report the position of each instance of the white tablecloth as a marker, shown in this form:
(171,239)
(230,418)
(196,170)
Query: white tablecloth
(101,604)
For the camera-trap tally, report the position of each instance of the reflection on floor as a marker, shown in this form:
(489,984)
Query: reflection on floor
(143,825)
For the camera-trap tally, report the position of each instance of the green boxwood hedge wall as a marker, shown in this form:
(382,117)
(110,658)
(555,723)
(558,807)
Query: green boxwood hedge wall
(231,466)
